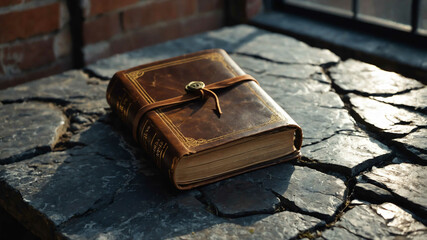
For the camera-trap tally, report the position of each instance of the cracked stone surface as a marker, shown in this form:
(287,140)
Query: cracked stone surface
(415,142)
(182,217)
(407,181)
(416,99)
(286,50)
(353,75)
(368,191)
(27,128)
(64,184)
(232,198)
(351,153)
(72,87)
(386,118)
(96,183)
(298,188)
(385,221)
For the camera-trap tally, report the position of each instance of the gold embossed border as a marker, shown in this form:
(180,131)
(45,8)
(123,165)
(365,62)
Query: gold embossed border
(188,141)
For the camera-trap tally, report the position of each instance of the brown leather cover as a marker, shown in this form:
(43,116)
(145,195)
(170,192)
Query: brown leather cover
(170,133)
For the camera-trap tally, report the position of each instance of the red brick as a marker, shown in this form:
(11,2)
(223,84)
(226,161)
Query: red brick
(101,28)
(56,67)
(23,24)
(157,12)
(28,55)
(253,7)
(102,6)
(204,23)
(147,36)
(9,2)
(187,7)
(210,5)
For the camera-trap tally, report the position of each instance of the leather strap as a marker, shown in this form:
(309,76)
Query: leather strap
(190,96)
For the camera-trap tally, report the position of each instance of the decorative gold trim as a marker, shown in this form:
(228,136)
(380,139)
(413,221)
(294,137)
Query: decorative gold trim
(188,141)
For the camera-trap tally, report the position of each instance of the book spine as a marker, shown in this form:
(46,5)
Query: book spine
(123,101)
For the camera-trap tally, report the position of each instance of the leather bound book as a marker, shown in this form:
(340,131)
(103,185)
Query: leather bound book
(202,119)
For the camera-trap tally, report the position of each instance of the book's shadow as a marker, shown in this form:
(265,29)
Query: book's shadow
(108,181)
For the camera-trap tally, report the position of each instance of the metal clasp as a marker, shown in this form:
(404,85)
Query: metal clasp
(194,85)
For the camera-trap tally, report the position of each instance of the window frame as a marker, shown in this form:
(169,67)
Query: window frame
(352,21)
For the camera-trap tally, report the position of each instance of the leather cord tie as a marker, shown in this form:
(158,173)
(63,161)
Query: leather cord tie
(195,90)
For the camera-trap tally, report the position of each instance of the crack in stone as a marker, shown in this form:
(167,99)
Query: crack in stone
(403,106)
(28,154)
(340,90)
(55,101)
(400,201)
(371,130)
(272,61)
(284,76)
(209,206)
(330,221)
(326,138)
(60,134)
(92,74)
(99,204)
(286,204)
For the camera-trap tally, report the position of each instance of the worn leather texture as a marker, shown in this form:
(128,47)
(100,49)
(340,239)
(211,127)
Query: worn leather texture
(172,132)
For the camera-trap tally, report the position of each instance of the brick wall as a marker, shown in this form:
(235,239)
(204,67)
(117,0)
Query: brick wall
(36,35)
(34,40)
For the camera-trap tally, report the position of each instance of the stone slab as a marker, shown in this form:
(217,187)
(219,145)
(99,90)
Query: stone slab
(299,189)
(234,198)
(28,128)
(257,65)
(285,49)
(415,99)
(182,217)
(72,87)
(407,181)
(355,76)
(349,153)
(415,142)
(362,44)
(385,221)
(386,118)
(62,185)
(311,104)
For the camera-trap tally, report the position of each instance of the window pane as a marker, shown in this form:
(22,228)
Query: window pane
(393,13)
(342,7)
(422,21)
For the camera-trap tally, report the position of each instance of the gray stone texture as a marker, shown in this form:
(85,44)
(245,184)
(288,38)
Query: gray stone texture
(386,118)
(415,99)
(73,88)
(355,43)
(407,181)
(96,183)
(183,217)
(235,198)
(385,221)
(29,128)
(286,50)
(65,184)
(299,188)
(415,142)
(356,76)
(349,153)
